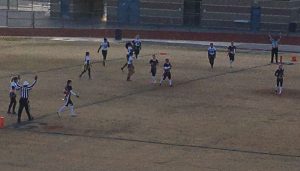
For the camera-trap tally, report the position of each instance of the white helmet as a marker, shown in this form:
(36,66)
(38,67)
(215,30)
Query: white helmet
(26,83)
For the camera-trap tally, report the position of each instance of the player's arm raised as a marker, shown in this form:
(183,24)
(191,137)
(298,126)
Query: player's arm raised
(280,36)
(270,37)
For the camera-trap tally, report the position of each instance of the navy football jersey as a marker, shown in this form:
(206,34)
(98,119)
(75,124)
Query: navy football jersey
(231,49)
(167,67)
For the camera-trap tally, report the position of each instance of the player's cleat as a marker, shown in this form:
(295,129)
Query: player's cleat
(14,113)
(73,115)
(31,118)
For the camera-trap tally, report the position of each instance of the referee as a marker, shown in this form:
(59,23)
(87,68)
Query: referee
(274,51)
(24,99)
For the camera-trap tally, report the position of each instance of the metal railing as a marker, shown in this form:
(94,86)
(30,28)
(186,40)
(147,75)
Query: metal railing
(39,14)
(47,14)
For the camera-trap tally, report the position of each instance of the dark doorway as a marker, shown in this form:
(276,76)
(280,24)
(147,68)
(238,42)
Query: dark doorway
(64,8)
(192,12)
(129,11)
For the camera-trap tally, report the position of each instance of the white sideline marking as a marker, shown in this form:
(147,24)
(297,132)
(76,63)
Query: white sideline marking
(247,46)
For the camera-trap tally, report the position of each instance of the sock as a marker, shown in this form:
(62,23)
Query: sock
(61,109)
(280,90)
(153,79)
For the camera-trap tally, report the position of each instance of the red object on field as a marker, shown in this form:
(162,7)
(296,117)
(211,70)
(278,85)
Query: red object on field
(162,53)
(1,122)
(294,59)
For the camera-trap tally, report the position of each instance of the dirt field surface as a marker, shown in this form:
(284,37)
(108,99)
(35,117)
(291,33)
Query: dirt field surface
(225,119)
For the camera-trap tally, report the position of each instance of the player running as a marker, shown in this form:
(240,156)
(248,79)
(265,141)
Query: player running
(87,65)
(274,51)
(130,66)
(68,102)
(167,72)
(153,63)
(231,53)
(279,73)
(129,49)
(212,53)
(104,47)
(137,46)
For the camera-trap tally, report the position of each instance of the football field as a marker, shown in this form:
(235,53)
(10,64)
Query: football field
(225,119)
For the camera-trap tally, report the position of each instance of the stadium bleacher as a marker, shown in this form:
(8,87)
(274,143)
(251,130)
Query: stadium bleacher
(234,14)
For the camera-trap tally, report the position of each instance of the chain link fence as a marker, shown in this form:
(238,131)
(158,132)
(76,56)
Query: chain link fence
(169,14)
(47,14)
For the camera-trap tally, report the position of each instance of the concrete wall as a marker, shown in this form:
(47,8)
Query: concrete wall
(168,12)
(275,15)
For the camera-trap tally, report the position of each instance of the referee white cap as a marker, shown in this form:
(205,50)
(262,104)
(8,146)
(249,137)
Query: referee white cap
(26,83)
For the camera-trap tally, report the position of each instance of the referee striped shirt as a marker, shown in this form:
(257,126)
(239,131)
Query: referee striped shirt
(24,90)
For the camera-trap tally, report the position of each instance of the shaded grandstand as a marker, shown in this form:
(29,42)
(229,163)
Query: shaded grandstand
(244,15)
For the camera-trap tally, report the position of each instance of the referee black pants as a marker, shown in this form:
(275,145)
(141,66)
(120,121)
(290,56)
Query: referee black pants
(274,52)
(24,103)
(211,59)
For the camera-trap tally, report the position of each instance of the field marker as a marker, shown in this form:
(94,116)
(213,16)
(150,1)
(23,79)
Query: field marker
(1,122)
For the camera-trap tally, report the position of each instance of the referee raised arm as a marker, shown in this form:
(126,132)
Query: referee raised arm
(24,99)
(275,43)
